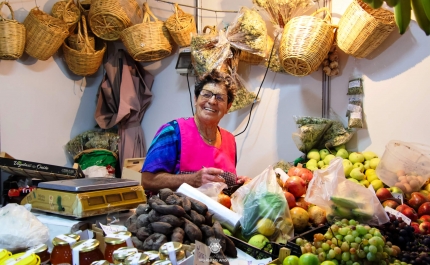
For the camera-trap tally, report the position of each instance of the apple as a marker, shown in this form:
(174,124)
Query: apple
(312,164)
(372,177)
(295,185)
(342,146)
(408,211)
(383,194)
(314,154)
(356,174)
(290,199)
(365,182)
(224,200)
(374,162)
(377,184)
(328,158)
(360,166)
(416,200)
(356,157)
(425,228)
(427,187)
(342,153)
(366,165)
(390,203)
(416,227)
(424,209)
(353,180)
(324,153)
(370,171)
(320,164)
(395,190)
(424,218)
(347,167)
(368,155)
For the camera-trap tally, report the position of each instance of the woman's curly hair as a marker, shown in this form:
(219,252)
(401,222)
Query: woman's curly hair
(217,77)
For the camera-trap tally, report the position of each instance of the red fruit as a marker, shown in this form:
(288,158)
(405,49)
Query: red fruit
(296,186)
(416,200)
(408,211)
(424,209)
(424,218)
(390,203)
(300,202)
(301,172)
(383,194)
(425,228)
(416,227)
(290,199)
(224,200)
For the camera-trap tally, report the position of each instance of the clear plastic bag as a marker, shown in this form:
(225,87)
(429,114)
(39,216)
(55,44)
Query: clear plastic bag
(212,189)
(272,55)
(243,97)
(248,32)
(342,198)
(309,136)
(264,208)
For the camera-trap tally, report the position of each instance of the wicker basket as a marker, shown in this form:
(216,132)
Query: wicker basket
(77,41)
(305,43)
(108,18)
(86,61)
(148,41)
(44,34)
(84,6)
(68,12)
(180,26)
(12,36)
(254,59)
(362,29)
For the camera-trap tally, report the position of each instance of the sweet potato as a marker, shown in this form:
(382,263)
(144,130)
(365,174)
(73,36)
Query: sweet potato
(186,204)
(207,231)
(154,216)
(169,209)
(172,220)
(142,208)
(154,242)
(186,216)
(137,243)
(142,221)
(154,200)
(130,220)
(132,228)
(209,219)
(143,233)
(192,231)
(164,193)
(196,205)
(196,218)
(178,235)
(161,228)
(230,249)
(174,200)
(219,233)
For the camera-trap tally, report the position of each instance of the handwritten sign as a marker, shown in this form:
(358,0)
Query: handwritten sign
(398,214)
(398,196)
(201,254)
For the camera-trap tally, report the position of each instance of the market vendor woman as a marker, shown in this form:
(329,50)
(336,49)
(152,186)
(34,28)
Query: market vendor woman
(195,150)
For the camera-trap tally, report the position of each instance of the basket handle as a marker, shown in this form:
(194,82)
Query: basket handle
(87,42)
(11,11)
(211,28)
(327,17)
(148,11)
(178,11)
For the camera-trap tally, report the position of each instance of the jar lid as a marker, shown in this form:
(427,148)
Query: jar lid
(162,262)
(124,252)
(118,237)
(152,254)
(90,244)
(39,248)
(176,246)
(4,253)
(24,258)
(65,239)
(100,262)
(137,258)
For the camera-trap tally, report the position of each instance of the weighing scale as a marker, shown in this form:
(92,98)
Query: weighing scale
(86,197)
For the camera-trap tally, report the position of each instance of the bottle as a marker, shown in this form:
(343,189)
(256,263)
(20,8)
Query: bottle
(62,252)
(176,246)
(89,251)
(42,251)
(114,242)
(121,254)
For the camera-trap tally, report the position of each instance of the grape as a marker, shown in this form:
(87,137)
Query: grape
(325,246)
(361,230)
(337,250)
(346,256)
(331,254)
(373,249)
(299,241)
(345,247)
(349,238)
(352,251)
(352,222)
(357,240)
(371,256)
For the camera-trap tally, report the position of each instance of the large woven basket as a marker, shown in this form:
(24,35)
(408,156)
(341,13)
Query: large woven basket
(78,42)
(362,29)
(12,36)
(305,43)
(44,34)
(149,40)
(68,12)
(254,59)
(86,61)
(107,18)
(180,26)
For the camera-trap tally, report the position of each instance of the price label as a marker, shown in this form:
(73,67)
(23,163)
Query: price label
(398,214)
(354,83)
(398,196)
(201,254)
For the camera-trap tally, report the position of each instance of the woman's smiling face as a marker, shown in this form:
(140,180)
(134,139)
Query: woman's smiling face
(212,103)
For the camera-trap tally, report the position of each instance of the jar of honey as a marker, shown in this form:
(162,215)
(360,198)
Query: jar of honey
(115,241)
(42,251)
(121,254)
(4,254)
(162,262)
(100,262)
(24,258)
(136,259)
(88,251)
(152,255)
(62,252)
(174,246)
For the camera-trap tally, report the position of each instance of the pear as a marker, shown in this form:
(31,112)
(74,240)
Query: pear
(328,158)
(342,146)
(356,157)
(324,153)
(356,174)
(374,162)
(369,155)
(314,154)
(342,153)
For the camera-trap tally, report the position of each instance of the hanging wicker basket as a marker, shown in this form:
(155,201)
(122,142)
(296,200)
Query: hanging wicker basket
(254,59)
(77,41)
(68,12)
(180,26)
(305,43)
(148,41)
(86,61)
(362,29)
(107,18)
(44,34)
(84,6)
(12,36)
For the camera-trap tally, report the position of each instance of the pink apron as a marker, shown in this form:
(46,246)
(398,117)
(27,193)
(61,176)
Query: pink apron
(196,154)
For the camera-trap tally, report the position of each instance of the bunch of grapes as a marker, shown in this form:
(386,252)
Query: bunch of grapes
(398,232)
(351,243)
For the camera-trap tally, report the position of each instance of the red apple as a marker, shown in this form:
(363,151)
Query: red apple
(408,211)
(416,200)
(296,186)
(390,203)
(425,228)
(300,202)
(290,199)
(224,200)
(424,209)
(424,218)
(383,194)
(416,227)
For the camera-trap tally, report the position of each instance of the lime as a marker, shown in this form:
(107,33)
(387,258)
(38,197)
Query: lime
(291,260)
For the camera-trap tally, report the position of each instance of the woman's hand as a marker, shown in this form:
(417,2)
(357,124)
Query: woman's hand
(208,174)
(242,179)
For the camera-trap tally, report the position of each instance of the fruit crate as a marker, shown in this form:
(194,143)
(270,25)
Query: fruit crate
(254,252)
(283,253)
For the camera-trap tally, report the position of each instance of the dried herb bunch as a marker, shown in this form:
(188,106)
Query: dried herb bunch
(243,97)
(93,139)
(248,32)
(273,61)
(282,11)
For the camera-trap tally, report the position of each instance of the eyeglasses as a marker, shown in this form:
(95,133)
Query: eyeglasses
(209,94)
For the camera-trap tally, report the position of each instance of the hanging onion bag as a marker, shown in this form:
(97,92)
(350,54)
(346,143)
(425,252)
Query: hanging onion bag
(180,26)
(149,40)
(305,43)
(12,36)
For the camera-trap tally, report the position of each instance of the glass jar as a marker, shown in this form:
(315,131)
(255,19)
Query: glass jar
(42,251)
(176,246)
(24,258)
(100,262)
(89,251)
(121,254)
(62,252)
(162,262)
(4,254)
(115,241)
(152,255)
(136,259)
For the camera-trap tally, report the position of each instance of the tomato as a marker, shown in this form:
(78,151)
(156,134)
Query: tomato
(291,260)
(309,259)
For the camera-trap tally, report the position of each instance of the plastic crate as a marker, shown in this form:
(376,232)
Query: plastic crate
(254,252)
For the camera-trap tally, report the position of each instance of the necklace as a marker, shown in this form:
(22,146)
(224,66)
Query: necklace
(209,140)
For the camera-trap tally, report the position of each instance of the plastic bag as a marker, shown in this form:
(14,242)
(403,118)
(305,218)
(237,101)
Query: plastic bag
(97,157)
(243,97)
(212,189)
(272,55)
(309,136)
(264,208)
(342,198)
(248,32)
(20,228)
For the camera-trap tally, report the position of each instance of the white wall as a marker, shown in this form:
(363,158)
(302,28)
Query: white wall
(43,105)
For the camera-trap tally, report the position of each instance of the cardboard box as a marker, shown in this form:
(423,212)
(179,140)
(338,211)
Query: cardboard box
(132,168)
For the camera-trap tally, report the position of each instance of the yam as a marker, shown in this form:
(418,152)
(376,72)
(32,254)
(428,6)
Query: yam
(186,204)
(196,218)
(172,220)
(207,231)
(164,193)
(219,233)
(154,200)
(143,233)
(142,208)
(142,221)
(137,243)
(130,220)
(174,200)
(161,228)
(154,216)
(230,249)
(209,219)
(192,231)
(132,228)
(169,209)
(196,205)
(178,235)
(154,242)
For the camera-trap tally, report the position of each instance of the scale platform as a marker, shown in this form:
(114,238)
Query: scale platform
(86,197)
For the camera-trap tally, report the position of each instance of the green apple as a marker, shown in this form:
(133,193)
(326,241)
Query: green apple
(395,189)
(360,166)
(311,163)
(372,177)
(342,153)
(328,158)
(353,180)
(356,157)
(374,162)
(365,182)
(320,164)
(291,260)
(324,153)
(325,166)
(347,167)
(377,184)
(314,154)
(366,165)
(369,155)
(342,146)
(370,171)
(227,232)
(356,174)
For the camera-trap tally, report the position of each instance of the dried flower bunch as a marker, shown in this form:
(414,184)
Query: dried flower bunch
(243,97)
(281,11)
